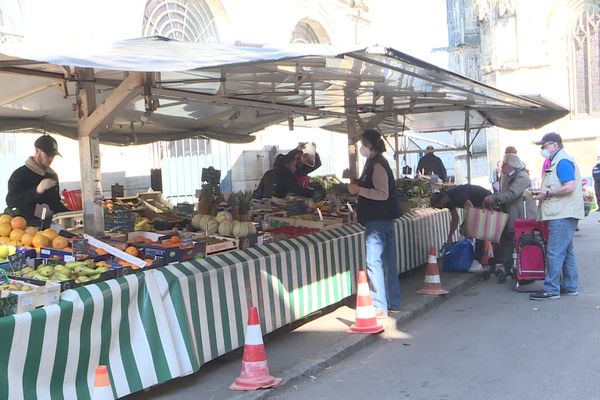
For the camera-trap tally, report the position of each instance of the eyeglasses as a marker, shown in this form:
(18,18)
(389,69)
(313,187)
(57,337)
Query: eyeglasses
(546,144)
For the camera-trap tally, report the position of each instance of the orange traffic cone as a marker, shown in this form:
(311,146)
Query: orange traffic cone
(102,387)
(255,371)
(432,276)
(489,253)
(366,320)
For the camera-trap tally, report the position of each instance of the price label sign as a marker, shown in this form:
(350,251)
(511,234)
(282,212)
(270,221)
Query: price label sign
(17,261)
(186,238)
(4,280)
(80,248)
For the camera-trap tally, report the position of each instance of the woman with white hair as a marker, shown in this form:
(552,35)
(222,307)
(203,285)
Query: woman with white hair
(515,180)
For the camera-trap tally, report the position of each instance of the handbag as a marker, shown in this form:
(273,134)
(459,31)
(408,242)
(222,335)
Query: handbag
(484,224)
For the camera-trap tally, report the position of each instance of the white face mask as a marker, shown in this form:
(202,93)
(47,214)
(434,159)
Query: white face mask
(364,151)
(545,153)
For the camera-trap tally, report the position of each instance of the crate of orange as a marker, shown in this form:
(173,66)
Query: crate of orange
(170,250)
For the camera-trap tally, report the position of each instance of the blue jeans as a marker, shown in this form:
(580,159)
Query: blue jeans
(562,267)
(382,265)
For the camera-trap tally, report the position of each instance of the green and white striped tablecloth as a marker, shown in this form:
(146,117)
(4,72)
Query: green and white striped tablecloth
(165,323)
(207,301)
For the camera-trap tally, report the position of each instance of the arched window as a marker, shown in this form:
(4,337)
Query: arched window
(309,31)
(187,20)
(586,48)
(190,21)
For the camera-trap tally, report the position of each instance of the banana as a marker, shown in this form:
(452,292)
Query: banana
(84,270)
(60,277)
(83,279)
(61,269)
(39,277)
(46,270)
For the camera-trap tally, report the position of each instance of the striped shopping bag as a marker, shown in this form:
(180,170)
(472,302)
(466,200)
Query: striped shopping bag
(484,224)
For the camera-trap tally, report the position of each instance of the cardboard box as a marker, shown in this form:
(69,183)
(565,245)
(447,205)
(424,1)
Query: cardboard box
(38,296)
(254,240)
(326,223)
(226,244)
(172,254)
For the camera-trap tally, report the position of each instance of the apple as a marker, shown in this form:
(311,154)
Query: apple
(3,251)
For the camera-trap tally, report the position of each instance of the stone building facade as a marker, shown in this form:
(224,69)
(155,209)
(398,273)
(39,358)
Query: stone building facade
(541,47)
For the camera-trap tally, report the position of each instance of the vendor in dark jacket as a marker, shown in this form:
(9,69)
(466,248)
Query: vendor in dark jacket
(35,182)
(430,163)
(460,197)
(305,162)
(285,181)
(377,209)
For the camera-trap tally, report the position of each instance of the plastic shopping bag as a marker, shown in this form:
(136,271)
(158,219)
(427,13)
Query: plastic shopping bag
(458,256)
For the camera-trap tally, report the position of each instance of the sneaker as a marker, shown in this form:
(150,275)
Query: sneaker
(394,310)
(543,295)
(475,267)
(569,292)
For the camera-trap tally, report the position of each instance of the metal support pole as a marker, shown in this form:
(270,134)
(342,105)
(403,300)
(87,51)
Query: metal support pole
(396,152)
(89,156)
(468,144)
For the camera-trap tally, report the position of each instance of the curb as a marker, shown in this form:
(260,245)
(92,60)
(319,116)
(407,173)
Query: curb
(354,343)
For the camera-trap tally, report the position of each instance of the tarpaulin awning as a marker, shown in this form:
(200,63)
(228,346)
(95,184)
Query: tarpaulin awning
(228,92)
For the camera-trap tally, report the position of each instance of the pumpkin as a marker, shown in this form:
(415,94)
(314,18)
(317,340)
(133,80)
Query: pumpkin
(212,225)
(225,228)
(240,229)
(223,216)
(199,221)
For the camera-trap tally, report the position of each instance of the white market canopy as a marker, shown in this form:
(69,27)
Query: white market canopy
(168,90)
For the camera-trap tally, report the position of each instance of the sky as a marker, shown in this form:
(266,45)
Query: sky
(414,27)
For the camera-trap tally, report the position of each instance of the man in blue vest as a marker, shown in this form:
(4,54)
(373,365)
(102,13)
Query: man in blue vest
(596,175)
(561,206)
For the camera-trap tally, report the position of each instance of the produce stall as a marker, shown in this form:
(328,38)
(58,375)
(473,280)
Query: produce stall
(155,325)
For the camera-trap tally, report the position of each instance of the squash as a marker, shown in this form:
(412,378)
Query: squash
(223,216)
(240,229)
(225,228)
(199,221)
(212,225)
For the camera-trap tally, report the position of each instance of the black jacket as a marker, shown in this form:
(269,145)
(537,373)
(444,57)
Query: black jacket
(431,163)
(285,182)
(376,210)
(22,193)
(304,169)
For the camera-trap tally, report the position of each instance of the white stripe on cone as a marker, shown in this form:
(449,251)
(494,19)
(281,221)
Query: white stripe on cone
(254,335)
(363,290)
(432,279)
(432,259)
(365,312)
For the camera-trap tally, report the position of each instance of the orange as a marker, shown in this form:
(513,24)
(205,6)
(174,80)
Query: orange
(5,229)
(5,219)
(70,250)
(40,240)
(4,239)
(148,262)
(138,239)
(31,230)
(27,239)
(100,252)
(18,223)
(175,239)
(16,234)
(132,250)
(50,233)
(60,242)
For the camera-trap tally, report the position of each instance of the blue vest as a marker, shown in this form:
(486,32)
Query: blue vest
(375,210)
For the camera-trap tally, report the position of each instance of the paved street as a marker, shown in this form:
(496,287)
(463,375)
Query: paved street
(486,343)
